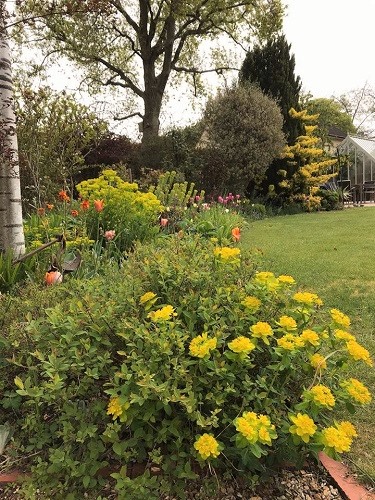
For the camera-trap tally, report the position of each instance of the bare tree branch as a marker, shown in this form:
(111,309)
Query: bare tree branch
(120,118)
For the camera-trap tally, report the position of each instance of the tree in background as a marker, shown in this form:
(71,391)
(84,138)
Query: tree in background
(359,104)
(137,45)
(11,223)
(311,164)
(244,135)
(331,114)
(272,67)
(55,133)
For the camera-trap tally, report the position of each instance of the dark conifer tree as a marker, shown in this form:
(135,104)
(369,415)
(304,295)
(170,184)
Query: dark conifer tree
(272,67)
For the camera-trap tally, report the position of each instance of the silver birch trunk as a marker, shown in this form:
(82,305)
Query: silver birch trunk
(11,223)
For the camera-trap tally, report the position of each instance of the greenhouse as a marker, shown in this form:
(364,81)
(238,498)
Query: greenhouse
(356,157)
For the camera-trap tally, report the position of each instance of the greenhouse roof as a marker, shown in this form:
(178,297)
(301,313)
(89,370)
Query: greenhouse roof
(365,145)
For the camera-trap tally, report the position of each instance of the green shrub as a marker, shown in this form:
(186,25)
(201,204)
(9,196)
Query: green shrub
(212,221)
(185,356)
(118,206)
(330,199)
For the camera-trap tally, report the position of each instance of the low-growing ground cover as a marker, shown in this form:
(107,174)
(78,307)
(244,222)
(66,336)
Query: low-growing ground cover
(331,253)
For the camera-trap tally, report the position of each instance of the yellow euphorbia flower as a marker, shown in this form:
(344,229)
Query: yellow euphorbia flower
(304,426)
(336,439)
(307,298)
(262,330)
(340,318)
(311,337)
(288,323)
(358,352)
(357,390)
(241,345)
(323,396)
(251,303)
(201,345)
(163,314)
(318,361)
(207,446)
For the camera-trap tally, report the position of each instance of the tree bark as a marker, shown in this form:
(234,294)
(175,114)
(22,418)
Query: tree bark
(11,222)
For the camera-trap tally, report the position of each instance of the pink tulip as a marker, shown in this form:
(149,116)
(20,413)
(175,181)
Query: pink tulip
(109,235)
(163,222)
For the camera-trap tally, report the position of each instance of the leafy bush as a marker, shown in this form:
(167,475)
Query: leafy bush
(244,132)
(182,357)
(212,221)
(329,199)
(120,208)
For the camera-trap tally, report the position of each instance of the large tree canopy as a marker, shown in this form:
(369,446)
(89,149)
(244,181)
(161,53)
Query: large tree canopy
(331,113)
(137,44)
(272,67)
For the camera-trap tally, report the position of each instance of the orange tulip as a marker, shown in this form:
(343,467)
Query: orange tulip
(74,213)
(41,211)
(50,206)
(53,277)
(63,196)
(85,205)
(98,205)
(236,233)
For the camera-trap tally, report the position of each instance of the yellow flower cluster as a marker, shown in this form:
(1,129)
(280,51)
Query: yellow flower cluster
(318,361)
(342,335)
(255,428)
(164,314)
(115,408)
(303,426)
(286,280)
(228,254)
(241,345)
(262,330)
(201,345)
(111,188)
(251,303)
(207,446)
(267,279)
(288,323)
(322,395)
(311,337)
(339,438)
(290,342)
(358,352)
(147,297)
(357,390)
(307,298)
(339,318)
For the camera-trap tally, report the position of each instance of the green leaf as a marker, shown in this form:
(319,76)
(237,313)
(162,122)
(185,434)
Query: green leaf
(18,383)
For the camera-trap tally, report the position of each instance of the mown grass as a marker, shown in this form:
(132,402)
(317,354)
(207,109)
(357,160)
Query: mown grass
(332,254)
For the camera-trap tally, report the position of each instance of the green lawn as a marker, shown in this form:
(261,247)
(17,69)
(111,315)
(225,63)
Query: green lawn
(332,254)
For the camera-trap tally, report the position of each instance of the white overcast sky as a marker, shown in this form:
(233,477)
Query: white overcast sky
(333,42)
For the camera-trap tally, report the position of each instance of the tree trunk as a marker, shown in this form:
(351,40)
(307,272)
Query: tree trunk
(11,222)
(152,106)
